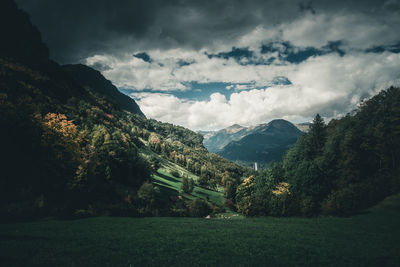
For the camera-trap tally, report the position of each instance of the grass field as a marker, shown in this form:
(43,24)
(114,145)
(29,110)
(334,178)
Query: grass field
(164,179)
(370,239)
(171,185)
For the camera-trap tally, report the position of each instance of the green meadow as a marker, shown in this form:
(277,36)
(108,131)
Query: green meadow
(368,239)
(167,181)
(170,185)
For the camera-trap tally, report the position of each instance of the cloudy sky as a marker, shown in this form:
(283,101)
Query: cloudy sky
(209,64)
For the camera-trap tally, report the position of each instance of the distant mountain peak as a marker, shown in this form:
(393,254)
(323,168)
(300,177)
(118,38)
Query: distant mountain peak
(278,120)
(234,126)
(260,143)
(233,129)
(278,123)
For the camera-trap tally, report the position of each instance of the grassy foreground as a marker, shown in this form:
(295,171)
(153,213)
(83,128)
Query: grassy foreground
(370,239)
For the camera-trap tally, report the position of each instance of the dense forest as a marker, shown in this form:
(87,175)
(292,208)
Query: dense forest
(335,169)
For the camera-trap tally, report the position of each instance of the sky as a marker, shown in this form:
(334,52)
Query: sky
(207,65)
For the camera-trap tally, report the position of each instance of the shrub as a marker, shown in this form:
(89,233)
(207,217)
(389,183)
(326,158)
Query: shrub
(179,208)
(148,195)
(230,204)
(308,206)
(199,208)
(348,200)
(217,209)
(187,184)
(175,173)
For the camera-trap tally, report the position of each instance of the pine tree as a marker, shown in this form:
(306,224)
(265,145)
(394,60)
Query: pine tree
(185,184)
(191,185)
(317,136)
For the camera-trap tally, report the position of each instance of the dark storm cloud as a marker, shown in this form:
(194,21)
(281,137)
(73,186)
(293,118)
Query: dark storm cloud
(236,53)
(307,7)
(76,29)
(288,52)
(182,63)
(143,56)
(243,56)
(380,49)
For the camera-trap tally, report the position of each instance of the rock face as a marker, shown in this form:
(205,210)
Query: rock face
(263,143)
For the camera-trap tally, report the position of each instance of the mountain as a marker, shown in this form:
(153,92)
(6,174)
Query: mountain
(263,143)
(19,38)
(64,147)
(73,145)
(88,77)
(215,141)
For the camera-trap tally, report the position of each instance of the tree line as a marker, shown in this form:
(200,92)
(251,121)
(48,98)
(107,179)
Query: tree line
(335,169)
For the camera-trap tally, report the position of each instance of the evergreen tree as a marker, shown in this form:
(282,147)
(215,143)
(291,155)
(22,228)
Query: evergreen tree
(187,184)
(316,136)
(191,185)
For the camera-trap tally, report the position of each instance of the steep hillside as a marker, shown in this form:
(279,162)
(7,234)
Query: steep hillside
(263,143)
(73,145)
(88,77)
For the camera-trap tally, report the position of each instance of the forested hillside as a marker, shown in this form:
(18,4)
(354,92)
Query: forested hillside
(73,145)
(335,169)
(88,77)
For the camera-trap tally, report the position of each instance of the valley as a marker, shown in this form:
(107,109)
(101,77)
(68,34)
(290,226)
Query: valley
(99,171)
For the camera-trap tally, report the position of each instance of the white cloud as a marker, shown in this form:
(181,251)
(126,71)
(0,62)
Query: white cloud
(330,85)
(134,73)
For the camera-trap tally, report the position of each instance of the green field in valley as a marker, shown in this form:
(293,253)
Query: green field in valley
(170,185)
(368,239)
(165,180)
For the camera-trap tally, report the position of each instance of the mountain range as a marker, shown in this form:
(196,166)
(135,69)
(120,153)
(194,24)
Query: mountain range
(262,143)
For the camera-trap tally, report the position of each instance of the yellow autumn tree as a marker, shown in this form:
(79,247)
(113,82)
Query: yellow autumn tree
(61,136)
(244,195)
